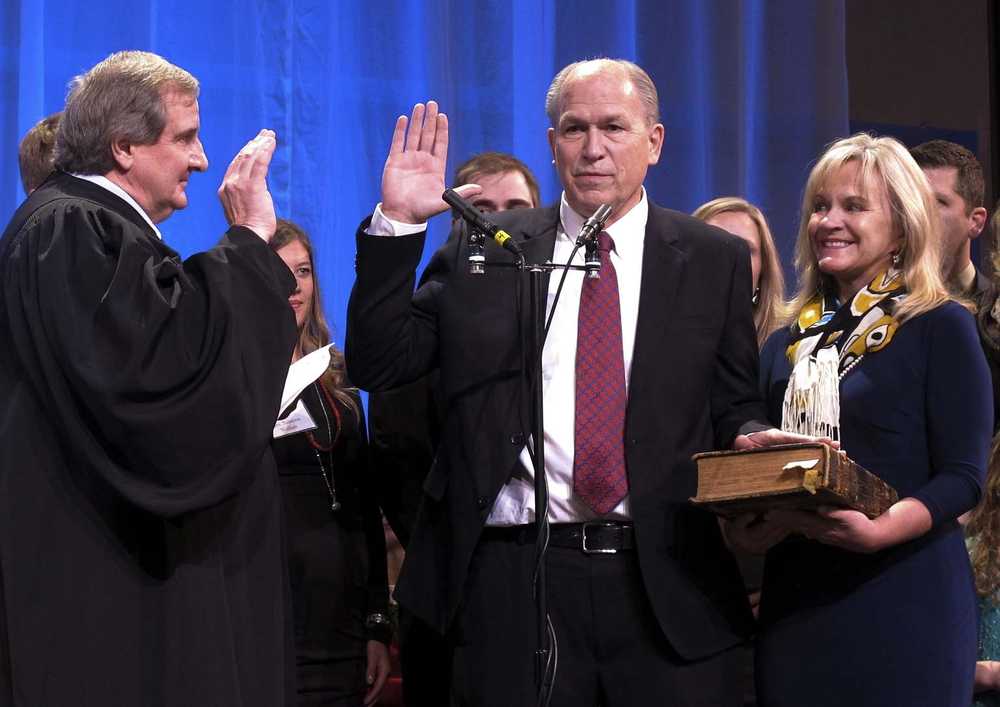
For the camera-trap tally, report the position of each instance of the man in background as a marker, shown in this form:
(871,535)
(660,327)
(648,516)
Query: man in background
(37,151)
(405,426)
(956,178)
(141,547)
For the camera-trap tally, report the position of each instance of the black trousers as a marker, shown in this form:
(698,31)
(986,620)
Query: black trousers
(610,649)
(425,662)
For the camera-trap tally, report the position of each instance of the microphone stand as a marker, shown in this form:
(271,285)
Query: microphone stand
(478,265)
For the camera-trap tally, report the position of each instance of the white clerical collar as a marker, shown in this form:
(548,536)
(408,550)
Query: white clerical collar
(102,181)
(634,221)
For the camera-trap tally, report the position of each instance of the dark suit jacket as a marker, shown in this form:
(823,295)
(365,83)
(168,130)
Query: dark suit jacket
(404,426)
(694,387)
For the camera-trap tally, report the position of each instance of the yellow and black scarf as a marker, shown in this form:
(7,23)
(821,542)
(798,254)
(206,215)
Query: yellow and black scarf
(828,339)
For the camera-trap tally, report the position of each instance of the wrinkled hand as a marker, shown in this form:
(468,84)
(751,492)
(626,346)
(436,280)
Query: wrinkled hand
(753,533)
(377,671)
(243,192)
(843,528)
(773,436)
(413,178)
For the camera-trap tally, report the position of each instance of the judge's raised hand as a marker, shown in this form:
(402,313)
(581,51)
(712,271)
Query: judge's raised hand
(413,178)
(243,192)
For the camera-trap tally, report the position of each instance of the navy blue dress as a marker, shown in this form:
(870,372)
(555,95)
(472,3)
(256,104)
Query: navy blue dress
(898,627)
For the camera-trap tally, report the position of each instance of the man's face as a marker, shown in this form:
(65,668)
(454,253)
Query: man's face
(957,224)
(502,191)
(602,144)
(159,172)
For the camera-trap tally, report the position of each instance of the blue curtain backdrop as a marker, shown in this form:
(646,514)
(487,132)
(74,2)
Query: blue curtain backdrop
(750,91)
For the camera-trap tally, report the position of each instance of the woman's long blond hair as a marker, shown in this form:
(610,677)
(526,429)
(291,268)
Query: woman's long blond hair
(769,312)
(315,333)
(883,163)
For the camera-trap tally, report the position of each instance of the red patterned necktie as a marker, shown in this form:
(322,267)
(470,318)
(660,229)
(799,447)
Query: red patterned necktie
(599,456)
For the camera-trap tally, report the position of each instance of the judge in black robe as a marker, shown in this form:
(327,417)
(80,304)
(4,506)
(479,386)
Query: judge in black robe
(141,545)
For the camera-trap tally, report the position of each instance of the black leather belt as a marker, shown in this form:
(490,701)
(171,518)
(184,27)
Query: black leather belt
(596,537)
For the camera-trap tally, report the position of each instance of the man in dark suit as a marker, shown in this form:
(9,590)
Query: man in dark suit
(404,425)
(956,178)
(652,362)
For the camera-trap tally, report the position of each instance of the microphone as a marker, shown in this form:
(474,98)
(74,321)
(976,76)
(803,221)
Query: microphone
(593,225)
(588,238)
(479,222)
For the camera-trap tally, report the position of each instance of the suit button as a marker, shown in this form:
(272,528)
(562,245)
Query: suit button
(482,502)
(517,439)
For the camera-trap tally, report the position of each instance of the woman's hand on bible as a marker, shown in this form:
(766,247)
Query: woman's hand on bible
(843,528)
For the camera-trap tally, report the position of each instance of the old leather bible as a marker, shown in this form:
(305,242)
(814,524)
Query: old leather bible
(801,476)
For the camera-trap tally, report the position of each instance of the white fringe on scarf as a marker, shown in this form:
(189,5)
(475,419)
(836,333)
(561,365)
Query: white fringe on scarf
(812,398)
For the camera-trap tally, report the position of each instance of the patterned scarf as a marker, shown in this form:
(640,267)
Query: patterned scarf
(827,341)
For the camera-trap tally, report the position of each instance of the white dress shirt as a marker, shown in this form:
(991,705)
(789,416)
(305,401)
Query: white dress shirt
(515,505)
(102,181)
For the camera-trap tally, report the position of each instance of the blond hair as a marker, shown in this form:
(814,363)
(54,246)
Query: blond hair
(770,309)
(883,163)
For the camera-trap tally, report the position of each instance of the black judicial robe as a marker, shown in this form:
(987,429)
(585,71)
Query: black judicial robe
(141,545)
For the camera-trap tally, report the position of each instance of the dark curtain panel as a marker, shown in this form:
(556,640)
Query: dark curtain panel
(750,91)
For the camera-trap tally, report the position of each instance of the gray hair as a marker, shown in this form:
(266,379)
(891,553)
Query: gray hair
(644,86)
(121,97)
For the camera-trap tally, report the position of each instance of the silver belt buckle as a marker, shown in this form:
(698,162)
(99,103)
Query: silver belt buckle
(597,524)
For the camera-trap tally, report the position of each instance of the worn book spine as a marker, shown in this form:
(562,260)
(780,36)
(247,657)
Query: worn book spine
(755,481)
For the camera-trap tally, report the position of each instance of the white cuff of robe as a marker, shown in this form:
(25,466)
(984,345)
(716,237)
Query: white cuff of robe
(382,225)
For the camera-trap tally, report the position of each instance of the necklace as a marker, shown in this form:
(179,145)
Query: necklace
(328,479)
(851,365)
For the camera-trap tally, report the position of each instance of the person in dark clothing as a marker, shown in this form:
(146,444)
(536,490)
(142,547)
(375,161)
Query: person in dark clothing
(880,354)
(336,549)
(638,582)
(956,178)
(141,546)
(406,427)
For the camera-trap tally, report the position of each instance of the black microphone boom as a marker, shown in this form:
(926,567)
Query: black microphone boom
(476,219)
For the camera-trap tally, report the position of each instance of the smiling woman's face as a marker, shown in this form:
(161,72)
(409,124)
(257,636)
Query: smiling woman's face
(851,230)
(297,259)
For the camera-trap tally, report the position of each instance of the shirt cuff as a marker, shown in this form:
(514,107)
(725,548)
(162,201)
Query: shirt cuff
(382,225)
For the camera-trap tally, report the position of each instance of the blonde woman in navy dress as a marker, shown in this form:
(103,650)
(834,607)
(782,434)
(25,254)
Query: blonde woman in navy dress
(875,612)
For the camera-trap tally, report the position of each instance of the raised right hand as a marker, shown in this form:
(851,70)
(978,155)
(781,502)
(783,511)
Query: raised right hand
(413,178)
(243,192)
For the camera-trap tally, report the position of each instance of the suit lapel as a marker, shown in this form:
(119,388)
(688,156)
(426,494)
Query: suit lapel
(663,262)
